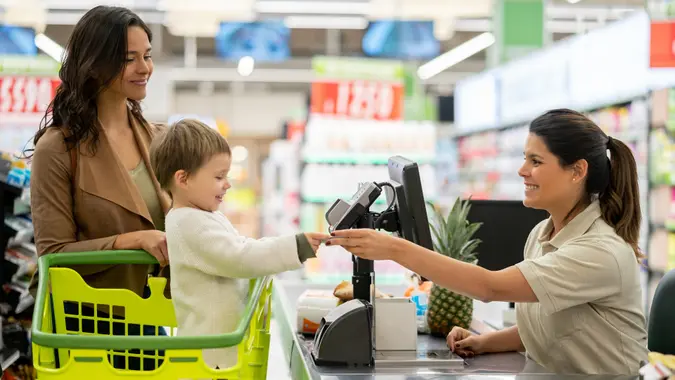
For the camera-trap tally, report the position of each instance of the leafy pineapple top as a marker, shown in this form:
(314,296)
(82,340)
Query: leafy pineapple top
(453,235)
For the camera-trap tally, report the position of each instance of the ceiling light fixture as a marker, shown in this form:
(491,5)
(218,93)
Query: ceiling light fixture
(325,22)
(246,66)
(456,55)
(49,47)
(312,7)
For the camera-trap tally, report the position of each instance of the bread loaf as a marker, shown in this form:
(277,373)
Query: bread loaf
(345,292)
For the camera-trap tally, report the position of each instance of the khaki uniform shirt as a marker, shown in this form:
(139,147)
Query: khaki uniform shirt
(589,318)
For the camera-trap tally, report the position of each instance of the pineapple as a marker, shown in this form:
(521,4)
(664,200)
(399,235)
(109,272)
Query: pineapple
(453,238)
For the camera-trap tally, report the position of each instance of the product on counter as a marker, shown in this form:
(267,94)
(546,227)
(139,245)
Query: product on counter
(453,237)
(312,306)
(345,292)
(419,295)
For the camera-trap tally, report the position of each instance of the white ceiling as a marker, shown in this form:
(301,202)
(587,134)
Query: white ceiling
(562,16)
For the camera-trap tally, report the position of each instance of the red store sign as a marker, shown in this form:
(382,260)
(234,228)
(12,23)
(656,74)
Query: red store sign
(358,99)
(26,95)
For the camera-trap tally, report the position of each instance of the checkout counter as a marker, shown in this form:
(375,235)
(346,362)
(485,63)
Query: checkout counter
(504,366)
(307,356)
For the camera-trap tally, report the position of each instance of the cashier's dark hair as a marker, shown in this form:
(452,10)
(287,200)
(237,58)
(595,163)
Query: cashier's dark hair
(96,53)
(612,178)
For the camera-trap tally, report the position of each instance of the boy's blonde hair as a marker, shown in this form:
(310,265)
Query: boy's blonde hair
(186,145)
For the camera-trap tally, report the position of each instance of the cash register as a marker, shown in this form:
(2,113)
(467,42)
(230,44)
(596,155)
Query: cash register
(346,335)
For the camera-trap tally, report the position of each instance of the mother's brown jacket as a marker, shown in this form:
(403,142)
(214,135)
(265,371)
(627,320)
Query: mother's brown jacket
(105,203)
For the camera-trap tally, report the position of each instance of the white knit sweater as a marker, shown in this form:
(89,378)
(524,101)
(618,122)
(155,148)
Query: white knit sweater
(209,262)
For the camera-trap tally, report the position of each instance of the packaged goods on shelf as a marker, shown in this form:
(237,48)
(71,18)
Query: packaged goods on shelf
(662,162)
(363,141)
(281,189)
(327,182)
(16,136)
(334,264)
(340,153)
(489,163)
(446,172)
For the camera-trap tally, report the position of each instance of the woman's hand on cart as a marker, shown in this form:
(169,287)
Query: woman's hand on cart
(151,241)
(154,242)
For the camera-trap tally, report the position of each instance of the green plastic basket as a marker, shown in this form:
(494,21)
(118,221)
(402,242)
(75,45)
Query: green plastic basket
(62,350)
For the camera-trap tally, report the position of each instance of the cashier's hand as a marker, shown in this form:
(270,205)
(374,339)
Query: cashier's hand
(315,239)
(464,343)
(366,243)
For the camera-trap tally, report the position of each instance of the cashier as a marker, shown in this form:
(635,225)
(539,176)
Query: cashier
(578,293)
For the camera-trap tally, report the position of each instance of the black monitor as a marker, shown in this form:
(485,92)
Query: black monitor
(506,226)
(409,203)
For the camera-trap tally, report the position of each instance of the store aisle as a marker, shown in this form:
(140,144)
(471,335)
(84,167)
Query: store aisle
(277,368)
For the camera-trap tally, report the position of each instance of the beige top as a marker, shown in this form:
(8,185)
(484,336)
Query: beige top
(589,318)
(143,181)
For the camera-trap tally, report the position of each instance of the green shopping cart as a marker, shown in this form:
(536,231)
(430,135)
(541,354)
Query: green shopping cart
(73,324)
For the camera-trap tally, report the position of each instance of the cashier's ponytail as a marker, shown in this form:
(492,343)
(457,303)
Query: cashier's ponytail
(620,202)
(612,172)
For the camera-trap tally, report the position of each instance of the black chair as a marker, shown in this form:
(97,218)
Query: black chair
(661,329)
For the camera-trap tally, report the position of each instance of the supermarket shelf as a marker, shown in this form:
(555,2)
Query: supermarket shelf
(629,135)
(8,356)
(5,186)
(360,158)
(668,225)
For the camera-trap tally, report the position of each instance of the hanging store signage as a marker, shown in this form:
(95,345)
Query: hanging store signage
(476,103)
(26,95)
(610,64)
(358,88)
(358,99)
(534,84)
(662,44)
(33,65)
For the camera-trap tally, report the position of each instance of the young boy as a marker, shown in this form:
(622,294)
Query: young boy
(209,259)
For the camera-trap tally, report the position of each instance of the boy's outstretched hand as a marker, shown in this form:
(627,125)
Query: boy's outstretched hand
(315,239)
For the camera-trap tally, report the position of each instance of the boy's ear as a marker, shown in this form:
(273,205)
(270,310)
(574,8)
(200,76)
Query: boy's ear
(180,178)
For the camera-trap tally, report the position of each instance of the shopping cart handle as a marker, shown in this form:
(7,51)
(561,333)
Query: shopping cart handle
(96,257)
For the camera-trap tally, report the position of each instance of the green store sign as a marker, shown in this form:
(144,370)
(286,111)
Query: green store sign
(417,105)
(35,65)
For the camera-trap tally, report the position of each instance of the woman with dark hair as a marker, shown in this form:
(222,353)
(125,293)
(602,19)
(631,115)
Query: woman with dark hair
(578,290)
(92,186)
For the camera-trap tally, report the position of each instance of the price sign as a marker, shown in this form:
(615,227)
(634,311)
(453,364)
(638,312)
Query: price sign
(26,95)
(358,99)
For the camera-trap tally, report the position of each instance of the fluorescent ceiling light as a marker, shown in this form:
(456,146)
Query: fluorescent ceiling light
(325,22)
(49,47)
(246,66)
(456,55)
(236,6)
(312,7)
(239,153)
(82,4)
